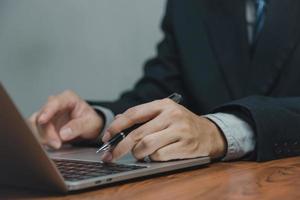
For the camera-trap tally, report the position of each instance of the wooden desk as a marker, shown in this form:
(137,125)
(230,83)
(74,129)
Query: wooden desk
(237,180)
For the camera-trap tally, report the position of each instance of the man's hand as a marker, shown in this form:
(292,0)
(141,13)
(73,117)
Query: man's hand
(63,118)
(172,132)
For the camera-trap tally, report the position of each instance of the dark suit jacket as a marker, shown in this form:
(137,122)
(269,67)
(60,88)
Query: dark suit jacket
(205,56)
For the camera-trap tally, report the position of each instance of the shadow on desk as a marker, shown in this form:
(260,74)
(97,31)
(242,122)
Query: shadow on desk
(278,179)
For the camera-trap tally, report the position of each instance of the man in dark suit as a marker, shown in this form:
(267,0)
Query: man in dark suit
(235,62)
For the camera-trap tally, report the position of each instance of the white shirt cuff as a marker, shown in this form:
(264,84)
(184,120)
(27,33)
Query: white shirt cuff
(238,133)
(109,117)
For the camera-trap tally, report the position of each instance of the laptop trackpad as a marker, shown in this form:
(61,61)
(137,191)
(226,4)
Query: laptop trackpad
(83,153)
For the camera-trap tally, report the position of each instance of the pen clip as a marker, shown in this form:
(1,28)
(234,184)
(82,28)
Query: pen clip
(175,97)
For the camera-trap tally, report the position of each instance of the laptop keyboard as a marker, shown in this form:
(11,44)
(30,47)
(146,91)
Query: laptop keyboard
(73,170)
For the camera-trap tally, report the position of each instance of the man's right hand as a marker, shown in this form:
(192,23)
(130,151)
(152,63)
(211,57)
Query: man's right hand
(65,117)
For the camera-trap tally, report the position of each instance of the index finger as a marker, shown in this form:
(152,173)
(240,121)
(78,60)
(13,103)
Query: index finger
(135,115)
(54,105)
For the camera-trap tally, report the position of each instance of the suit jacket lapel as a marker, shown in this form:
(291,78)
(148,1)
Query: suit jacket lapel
(278,39)
(203,73)
(227,28)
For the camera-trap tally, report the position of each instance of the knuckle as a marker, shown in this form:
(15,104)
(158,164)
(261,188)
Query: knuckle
(129,119)
(167,101)
(71,104)
(135,135)
(157,156)
(118,116)
(130,112)
(176,112)
(158,102)
(147,141)
(54,102)
(113,129)
(69,93)
(137,154)
(131,142)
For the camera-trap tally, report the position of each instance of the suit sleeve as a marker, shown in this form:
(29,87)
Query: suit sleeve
(161,74)
(276,122)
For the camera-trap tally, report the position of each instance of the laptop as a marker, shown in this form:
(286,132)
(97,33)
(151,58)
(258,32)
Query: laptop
(26,163)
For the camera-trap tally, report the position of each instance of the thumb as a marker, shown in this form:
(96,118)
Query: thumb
(75,128)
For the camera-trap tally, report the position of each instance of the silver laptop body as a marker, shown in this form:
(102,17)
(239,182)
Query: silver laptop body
(25,162)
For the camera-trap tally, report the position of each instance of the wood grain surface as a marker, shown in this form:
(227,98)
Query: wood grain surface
(278,179)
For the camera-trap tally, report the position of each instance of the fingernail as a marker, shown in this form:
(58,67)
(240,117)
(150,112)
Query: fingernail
(106,137)
(65,133)
(42,118)
(107,157)
(55,144)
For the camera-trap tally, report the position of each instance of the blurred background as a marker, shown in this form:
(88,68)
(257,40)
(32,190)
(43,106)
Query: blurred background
(94,47)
